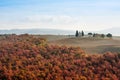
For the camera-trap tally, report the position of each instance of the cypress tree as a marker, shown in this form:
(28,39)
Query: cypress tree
(76,34)
(82,33)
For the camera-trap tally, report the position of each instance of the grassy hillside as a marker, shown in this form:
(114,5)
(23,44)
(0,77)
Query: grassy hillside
(26,57)
(89,44)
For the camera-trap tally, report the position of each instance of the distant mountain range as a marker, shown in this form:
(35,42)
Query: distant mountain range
(114,31)
(38,31)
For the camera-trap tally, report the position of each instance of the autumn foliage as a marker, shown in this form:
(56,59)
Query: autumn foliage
(26,57)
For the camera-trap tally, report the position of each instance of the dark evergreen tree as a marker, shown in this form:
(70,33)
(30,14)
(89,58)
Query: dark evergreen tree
(77,33)
(90,33)
(82,33)
(102,35)
(109,35)
(94,35)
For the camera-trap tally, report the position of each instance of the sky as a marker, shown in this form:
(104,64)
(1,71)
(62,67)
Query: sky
(89,15)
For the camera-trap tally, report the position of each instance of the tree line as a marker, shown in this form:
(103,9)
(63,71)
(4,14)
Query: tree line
(78,33)
(90,34)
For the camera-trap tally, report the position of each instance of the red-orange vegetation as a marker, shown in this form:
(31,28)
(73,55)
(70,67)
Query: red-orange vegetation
(25,57)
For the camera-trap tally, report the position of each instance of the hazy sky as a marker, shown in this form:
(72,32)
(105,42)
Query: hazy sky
(60,14)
